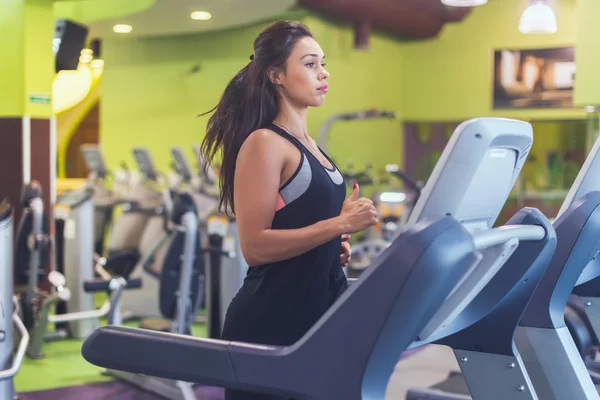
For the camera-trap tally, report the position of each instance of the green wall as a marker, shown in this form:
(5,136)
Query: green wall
(450,78)
(151,98)
(587,57)
(12,59)
(26,59)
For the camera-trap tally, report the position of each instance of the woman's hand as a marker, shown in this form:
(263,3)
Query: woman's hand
(346,253)
(358,213)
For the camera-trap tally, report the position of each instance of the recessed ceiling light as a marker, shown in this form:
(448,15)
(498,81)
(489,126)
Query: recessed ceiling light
(201,15)
(122,28)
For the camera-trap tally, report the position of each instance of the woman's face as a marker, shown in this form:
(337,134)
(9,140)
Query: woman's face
(304,80)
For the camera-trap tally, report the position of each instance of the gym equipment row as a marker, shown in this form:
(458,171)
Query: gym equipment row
(496,296)
(187,253)
(143,234)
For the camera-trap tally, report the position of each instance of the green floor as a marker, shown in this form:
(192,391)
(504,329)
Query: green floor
(64,366)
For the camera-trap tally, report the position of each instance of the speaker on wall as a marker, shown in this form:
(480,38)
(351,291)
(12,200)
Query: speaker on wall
(69,40)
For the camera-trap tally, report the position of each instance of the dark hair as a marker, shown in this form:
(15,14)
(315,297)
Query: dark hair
(249,102)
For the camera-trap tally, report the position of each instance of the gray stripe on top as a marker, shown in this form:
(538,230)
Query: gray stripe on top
(299,183)
(335,176)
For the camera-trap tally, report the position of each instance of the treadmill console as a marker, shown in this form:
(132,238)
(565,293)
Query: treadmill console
(181,164)
(145,163)
(94,160)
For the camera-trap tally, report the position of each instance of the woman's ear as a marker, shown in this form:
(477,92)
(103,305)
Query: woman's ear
(275,76)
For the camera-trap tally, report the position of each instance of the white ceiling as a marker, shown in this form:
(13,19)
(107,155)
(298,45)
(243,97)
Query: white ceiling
(172,17)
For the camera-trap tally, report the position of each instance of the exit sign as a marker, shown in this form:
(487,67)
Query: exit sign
(39,98)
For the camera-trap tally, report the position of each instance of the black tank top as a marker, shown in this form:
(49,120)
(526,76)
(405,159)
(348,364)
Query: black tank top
(279,302)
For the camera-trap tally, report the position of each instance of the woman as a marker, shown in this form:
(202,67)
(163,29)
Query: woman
(287,195)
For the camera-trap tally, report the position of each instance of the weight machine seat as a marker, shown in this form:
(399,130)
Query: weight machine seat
(122,262)
(355,345)
(22,252)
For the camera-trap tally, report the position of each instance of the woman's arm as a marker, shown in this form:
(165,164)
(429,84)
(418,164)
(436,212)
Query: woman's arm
(257,179)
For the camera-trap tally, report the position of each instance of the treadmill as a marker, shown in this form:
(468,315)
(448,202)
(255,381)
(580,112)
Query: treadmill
(553,361)
(420,287)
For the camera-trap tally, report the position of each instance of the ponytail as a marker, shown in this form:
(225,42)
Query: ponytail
(248,103)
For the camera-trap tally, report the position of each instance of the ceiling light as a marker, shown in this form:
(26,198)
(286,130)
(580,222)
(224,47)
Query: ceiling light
(201,15)
(538,18)
(464,3)
(122,28)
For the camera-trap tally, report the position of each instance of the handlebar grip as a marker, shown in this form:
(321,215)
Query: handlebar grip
(101,285)
(134,283)
(96,285)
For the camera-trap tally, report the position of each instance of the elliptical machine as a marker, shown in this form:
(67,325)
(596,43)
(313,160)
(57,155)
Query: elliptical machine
(105,199)
(201,187)
(149,223)
(181,288)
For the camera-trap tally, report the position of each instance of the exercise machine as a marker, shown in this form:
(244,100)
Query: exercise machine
(73,281)
(146,200)
(181,288)
(31,256)
(225,272)
(552,358)
(105,200)
(139,236)
(202,190)
(208,174)
(9,318)
(156,238)
(226,267)
(442,274)
(74,223)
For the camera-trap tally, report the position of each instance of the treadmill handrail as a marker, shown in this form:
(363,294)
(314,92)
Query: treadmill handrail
(496,236)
